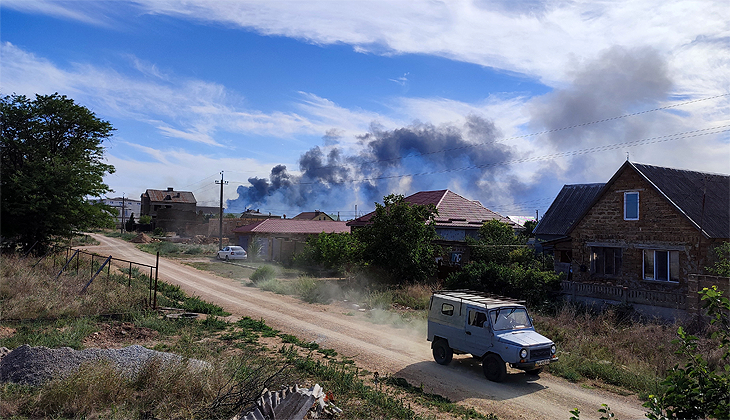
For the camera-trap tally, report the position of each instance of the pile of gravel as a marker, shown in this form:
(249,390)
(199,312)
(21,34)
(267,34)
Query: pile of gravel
(36,365)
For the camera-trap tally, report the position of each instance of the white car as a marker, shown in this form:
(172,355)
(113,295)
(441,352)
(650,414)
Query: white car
(231,253)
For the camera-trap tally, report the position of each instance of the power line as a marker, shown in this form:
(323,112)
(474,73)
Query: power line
(469,146)
(595,149)
(658,139)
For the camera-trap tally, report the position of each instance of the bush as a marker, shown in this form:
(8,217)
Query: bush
(533,285)
(265,272)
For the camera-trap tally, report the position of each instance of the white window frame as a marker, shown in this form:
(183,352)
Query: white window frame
(671,256)
(626,194)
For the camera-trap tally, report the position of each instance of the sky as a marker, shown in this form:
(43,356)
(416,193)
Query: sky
(332,105)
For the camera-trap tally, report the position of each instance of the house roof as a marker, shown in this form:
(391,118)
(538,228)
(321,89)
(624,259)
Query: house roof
(291,226)
(309,215)
(454,210)
(567,208)
(170,196)
(703,198)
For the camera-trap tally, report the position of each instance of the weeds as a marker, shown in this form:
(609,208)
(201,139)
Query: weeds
(265,272)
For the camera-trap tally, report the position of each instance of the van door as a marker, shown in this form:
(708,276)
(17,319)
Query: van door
(478,336)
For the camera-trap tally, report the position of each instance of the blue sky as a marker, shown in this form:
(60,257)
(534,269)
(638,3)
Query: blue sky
(361,99)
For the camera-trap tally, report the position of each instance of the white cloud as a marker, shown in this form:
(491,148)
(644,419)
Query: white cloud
(545,44)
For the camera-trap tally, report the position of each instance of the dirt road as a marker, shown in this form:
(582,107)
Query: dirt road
(386,349)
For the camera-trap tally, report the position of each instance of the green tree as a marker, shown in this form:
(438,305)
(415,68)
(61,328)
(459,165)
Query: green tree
(501,263)
(399,242)
(129,226)
(340,251)
(722,264)
(497,243)
(52,160)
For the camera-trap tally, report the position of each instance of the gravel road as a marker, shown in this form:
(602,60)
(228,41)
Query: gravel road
(388,350)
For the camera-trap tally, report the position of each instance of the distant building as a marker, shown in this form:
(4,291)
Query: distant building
(313,215)
(125,207)
(280,239)
(154,200)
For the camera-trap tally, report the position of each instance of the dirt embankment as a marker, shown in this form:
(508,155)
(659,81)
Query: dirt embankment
(388,350)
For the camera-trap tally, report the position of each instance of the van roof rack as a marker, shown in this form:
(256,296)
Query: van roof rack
(479,297)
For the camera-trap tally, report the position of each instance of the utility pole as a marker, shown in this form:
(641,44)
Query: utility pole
(220,214)
(122,228)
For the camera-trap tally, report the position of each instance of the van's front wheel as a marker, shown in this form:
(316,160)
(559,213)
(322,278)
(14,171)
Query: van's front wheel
(442,353)
(494,368)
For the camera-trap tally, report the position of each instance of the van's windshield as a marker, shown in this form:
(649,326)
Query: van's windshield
(509,319)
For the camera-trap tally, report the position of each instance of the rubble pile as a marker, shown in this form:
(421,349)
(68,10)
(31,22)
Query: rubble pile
(293,403)
(142,238)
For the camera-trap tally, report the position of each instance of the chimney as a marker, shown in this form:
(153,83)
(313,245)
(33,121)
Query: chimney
(169,188)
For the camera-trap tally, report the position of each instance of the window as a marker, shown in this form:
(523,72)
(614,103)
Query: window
(631,206)
(477,318)
(606,261)
(447,309)
(661,265)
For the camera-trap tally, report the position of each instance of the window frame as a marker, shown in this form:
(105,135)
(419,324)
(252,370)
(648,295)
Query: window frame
(672,265)
(596,263)
(626,207)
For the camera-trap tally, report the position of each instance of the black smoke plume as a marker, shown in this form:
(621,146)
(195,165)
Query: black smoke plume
(405,160)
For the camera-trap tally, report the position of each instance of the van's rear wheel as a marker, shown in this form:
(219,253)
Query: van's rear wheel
(494,368)
(442,353)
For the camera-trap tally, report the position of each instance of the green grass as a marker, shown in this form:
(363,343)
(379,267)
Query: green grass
(52,334)
(231,271)
(171,249)
(127,236)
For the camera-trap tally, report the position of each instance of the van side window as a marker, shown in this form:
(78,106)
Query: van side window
(447,309)
(477,318)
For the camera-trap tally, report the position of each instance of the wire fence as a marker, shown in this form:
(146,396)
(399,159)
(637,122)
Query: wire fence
(75,260)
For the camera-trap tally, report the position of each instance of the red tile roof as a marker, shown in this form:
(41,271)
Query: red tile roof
(453,210)
(290,226)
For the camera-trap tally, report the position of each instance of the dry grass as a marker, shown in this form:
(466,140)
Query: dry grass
(32,293)
(617,351)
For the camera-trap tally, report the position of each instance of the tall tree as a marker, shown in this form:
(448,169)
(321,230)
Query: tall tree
(52,161)
(399,241)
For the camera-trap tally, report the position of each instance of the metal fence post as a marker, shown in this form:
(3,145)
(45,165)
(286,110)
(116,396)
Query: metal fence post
(157,271)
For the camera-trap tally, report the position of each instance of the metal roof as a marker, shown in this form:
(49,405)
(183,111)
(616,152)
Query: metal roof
(572,201)
(703,198)
(487,300)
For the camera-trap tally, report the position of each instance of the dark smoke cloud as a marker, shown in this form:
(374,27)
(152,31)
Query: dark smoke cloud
(620,81)
(330,179)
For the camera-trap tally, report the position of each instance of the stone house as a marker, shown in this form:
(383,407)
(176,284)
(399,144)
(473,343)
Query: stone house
(646,235)
(551,233)
(154,200)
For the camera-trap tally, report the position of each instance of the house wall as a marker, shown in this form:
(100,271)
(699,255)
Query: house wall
(660,226)
(152,207)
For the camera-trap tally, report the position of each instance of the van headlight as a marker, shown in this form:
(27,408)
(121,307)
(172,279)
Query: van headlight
(523,354)
(553,349)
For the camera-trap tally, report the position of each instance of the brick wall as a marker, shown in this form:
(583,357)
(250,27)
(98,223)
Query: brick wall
(660,226)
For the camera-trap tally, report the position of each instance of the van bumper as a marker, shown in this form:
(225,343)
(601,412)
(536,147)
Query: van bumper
(537,364)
